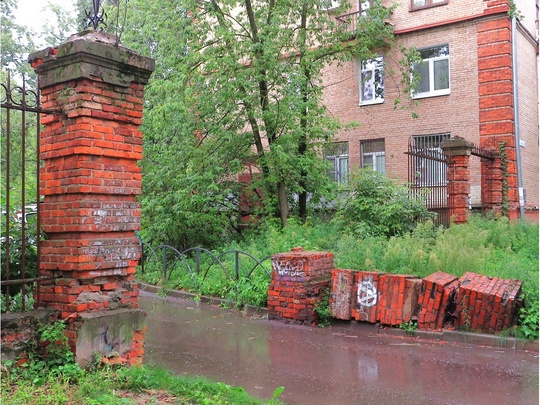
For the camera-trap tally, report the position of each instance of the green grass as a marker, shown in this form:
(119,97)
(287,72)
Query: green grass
(123,386)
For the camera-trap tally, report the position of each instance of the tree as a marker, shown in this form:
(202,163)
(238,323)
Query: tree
(238,88)
(16,41)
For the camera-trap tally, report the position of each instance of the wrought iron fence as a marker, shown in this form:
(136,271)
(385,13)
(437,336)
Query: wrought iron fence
(196,266)
(20,219)
(427,168)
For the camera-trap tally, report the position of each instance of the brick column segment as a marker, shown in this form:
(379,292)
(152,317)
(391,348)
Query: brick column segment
(494,38)
(299,282)
(492,185)
(488,304)
(366,296)
(341,297)
(398,295)
(458,150)
(90,178)
(436,300)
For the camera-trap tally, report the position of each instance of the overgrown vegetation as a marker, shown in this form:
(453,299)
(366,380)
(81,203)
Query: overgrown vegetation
(494,247)
(51,376)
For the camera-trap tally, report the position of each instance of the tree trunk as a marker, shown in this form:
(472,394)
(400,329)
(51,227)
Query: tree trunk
(282,203)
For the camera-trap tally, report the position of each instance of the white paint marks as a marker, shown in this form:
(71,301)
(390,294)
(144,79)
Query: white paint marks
(367,292)
(289,268)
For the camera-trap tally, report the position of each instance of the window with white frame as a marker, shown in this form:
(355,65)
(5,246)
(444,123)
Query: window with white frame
(330,4)
(419,4)
(429,164)
(433,72)
(373,155)
(363,6)
(338,155)
(372,81)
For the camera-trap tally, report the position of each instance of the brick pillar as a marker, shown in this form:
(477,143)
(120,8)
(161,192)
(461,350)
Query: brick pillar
(299,281)
(495,89)
(90,180)
(492,185)
(458,150)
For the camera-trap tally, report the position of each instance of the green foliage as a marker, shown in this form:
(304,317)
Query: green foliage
(16,254)
(202,129)
(375,206)
(529,315)
(50,358)
(409,327)
(322,308)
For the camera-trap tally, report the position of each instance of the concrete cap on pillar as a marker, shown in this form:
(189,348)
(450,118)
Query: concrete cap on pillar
(456,146)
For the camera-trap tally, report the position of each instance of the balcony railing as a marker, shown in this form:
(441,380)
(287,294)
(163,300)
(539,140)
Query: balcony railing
(349,21)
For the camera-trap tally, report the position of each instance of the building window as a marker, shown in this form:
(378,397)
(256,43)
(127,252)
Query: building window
(338,156)
(330,4)
(373,155)
(372,81)
(420,4)
(433,72)
(363,6)
(429,161)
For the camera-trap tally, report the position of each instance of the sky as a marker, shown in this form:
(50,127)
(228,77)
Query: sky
(33,13)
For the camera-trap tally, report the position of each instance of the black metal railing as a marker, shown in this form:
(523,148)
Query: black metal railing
(349,21)
(195,264)
(427,177)
(19,239)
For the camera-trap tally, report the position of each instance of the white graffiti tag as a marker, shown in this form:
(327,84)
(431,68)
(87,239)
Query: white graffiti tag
(367,292)
(291,269)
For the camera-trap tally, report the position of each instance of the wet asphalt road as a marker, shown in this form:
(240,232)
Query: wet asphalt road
(344,364)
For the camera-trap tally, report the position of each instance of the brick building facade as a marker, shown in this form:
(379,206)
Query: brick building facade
(467,89)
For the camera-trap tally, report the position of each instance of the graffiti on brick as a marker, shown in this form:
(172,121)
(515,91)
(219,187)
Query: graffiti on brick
(367,292)
(342,295)
(288,268)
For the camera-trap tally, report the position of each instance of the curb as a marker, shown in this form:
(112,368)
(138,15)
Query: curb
(454,336)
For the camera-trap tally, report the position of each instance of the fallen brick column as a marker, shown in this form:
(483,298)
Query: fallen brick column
(488,304)
(366,296)
(396,290)
(90,180)
(299,281)
(435,296)
(341,297)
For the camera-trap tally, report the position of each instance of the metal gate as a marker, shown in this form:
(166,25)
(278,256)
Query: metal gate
(427,175)
(20,221)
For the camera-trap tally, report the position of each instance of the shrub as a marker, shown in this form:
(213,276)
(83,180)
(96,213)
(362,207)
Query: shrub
(377,206)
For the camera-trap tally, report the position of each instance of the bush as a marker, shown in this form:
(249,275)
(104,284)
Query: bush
(377,206)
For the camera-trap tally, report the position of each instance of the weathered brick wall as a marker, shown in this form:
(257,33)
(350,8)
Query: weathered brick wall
(19,332)
(405,19)
(299,281)
(372,296)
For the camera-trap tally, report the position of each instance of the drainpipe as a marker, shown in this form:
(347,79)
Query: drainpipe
(516,118)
